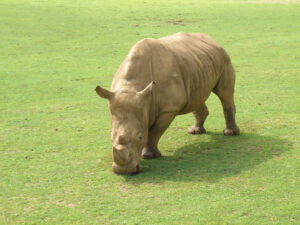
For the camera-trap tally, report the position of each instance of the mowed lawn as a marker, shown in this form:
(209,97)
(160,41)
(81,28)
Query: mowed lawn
(55,150)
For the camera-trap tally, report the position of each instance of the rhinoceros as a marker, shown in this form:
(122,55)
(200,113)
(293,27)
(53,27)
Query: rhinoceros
(162,78)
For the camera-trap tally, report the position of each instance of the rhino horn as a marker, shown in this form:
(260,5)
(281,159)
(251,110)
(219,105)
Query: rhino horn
(122,139)
(121,157)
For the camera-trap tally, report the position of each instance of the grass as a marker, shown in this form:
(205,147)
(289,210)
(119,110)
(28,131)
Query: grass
(55,151)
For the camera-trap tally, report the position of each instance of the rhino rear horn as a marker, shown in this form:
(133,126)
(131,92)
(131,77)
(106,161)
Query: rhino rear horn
(103,93)
(147,90)
(122,140)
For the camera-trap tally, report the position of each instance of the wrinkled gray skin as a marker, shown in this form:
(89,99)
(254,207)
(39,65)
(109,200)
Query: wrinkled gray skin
(186,68)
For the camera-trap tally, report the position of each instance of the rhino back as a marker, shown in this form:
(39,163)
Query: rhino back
(200,61)
(186,68)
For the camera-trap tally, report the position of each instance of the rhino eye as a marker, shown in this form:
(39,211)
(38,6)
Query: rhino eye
(140,137)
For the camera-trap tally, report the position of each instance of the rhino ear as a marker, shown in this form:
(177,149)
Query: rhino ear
(103,93)
(147,89)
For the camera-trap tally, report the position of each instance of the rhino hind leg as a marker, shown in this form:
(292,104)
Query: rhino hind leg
(229,114)
(231,126)
(200,116)
(225,91)
(156,131)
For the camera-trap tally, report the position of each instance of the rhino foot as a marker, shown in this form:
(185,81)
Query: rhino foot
(150,153)
(231,131)
(196,130)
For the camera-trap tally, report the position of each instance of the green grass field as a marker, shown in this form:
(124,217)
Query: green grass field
(55,155)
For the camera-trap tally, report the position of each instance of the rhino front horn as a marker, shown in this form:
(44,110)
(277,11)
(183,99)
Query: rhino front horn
(121,157)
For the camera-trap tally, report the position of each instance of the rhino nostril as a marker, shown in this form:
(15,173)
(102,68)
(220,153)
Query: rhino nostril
(137,168)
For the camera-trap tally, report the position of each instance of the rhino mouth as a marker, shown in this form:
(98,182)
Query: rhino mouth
(133,170)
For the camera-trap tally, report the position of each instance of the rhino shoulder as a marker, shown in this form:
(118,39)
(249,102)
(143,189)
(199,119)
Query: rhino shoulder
(147,44)
(144,49)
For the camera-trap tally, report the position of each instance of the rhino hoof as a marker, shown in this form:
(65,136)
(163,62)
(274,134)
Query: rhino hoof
(150,153)
(231,132)
(196,130)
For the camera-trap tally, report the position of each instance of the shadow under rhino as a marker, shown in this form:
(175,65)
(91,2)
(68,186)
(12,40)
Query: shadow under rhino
(212,160)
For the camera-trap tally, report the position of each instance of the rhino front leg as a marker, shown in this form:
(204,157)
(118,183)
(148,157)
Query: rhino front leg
(156,131)
(200,116)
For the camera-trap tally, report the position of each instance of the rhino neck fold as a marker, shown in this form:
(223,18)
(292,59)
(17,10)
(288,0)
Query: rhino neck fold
(152,112)
(153,109)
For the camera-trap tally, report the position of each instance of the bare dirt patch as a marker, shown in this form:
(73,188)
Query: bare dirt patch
(177,22)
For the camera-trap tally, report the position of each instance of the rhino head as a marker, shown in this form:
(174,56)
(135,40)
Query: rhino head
(130,121)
